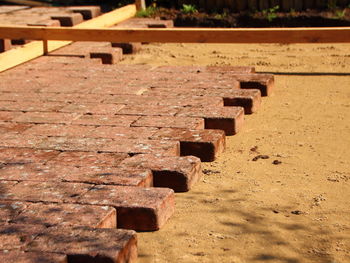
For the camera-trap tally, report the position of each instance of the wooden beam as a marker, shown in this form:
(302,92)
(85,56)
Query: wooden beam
(35,49)
(140,5)
(27,2)
(182,35)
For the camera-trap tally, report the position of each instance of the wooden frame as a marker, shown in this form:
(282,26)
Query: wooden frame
(36,49)
(182,35)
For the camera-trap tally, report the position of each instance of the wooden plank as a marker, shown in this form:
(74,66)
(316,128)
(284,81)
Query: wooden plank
(27,2)
(182,35)
(140,5)
(35,49)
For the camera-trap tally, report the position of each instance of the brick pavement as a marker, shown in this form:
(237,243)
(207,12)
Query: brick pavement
(87,146)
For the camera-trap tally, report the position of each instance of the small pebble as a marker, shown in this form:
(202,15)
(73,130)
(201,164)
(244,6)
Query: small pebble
(276,162)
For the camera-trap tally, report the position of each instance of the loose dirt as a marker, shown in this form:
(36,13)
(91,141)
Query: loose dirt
(281,190)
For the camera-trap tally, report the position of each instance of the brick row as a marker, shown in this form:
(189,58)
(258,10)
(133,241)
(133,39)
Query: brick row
(54,171)
(23,243)
(138,208)
(177,173)
(63,215)
(167,148)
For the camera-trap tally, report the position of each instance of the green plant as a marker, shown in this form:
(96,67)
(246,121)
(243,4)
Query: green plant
(271,13)
(340,14)
(189,9)
(332,4)
(223,15)
(148,12)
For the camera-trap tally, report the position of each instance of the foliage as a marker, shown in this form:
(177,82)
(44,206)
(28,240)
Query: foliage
(189,9)
(332,4)
(223,15)
(339,14)
(148,12)
(270,13)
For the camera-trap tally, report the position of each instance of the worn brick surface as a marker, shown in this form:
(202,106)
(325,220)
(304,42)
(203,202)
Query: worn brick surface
(81,244)
(31,257)
(95,159)
(178,173)
(25,155)
(42,191)
(65,215)
(9,210)
(15,237)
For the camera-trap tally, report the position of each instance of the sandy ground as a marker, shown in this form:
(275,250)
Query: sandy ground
(255,211)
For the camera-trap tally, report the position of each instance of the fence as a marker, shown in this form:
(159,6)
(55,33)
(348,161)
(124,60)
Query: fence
(252,5)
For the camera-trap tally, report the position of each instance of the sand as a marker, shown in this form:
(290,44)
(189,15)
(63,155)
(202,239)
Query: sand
(257,211)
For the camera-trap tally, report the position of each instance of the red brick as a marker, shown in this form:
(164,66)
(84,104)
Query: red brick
(9,210)
(60,130)
(17,236)
(9,115)
(180,101)
(68,19)
(31,257)
(48,22)
(112,176)
(109,120)
(82,244)
(119,89)
(89,158)
(46,117)
(6,187)
(205,144)
(64,215)
(108,55)
(128,48)
(92,108)
(143,209)
(24,155)
(78,98)
(30,106)
(169,122)
(160,24)
(7,127)
(55,192)
(124,132)
(228,119)
(142,110)
(15,84)
(5,44)
(11,140)
(88,12)
(227,69)
(263,82)
(177,173)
